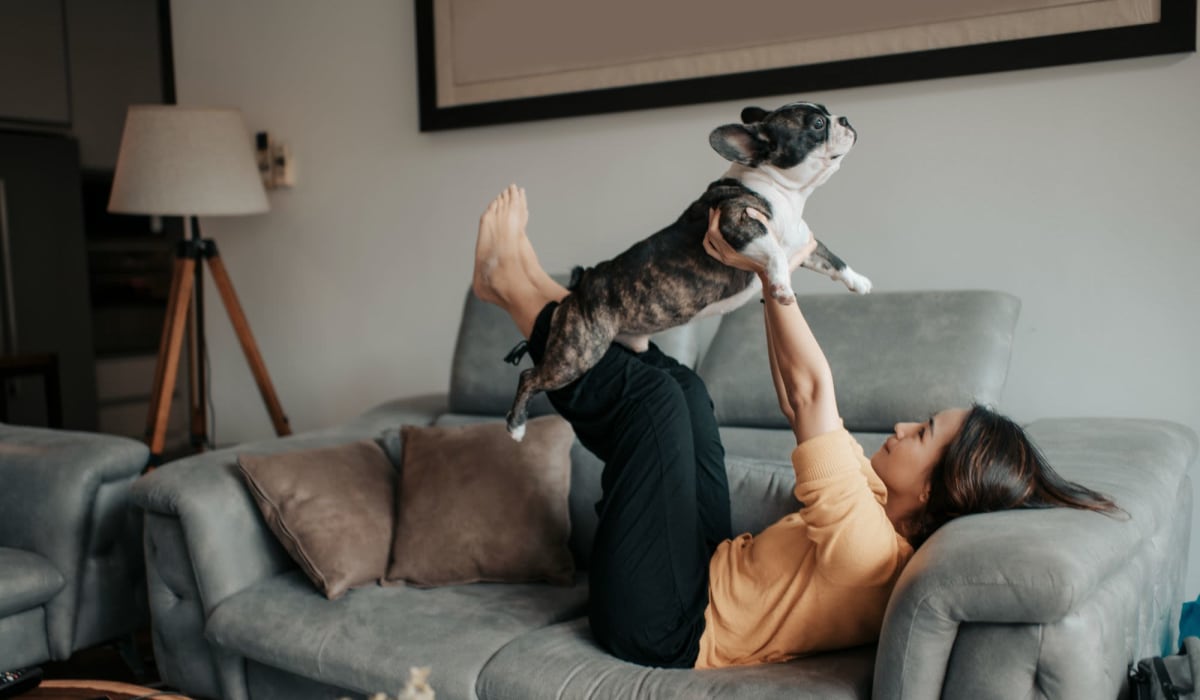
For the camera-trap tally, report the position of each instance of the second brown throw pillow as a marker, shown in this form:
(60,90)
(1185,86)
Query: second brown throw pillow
(473,505)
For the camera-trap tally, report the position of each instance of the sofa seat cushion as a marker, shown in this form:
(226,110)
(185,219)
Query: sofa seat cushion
(26,580)
(564,661)
(367,640)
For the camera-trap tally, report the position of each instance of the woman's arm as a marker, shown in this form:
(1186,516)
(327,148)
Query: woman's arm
(803,379)
(803,371)
(777,380)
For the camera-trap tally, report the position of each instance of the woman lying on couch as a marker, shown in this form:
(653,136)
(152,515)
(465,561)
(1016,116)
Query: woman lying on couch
(668,585)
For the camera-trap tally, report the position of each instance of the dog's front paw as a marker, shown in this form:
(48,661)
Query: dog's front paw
(783,293)
(855,282)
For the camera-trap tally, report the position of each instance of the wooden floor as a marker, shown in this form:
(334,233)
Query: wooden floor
(79,689)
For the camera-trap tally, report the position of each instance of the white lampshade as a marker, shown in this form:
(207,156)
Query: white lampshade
(186,161)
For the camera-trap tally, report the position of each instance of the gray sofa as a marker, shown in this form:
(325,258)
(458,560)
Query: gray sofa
(1028,604)
(71,566)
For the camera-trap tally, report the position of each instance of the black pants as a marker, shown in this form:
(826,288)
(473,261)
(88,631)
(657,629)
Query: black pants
(665,503)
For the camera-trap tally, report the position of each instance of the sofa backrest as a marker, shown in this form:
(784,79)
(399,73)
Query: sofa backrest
(481,383)
(896,356)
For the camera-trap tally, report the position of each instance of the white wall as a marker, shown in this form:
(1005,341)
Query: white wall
(1075,188)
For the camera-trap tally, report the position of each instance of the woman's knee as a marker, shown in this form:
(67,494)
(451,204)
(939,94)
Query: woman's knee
(660,394)
(695,391)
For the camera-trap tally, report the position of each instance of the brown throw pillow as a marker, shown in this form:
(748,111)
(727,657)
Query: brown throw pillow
(331,508)
(473,505)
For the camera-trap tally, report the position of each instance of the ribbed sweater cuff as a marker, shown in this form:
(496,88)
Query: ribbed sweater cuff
(829,454)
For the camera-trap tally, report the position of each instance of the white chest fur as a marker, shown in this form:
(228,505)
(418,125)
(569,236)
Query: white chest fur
(787,218)
(787,205)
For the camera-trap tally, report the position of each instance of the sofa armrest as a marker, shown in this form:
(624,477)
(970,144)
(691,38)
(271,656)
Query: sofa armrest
(228,543)
(1033,566)
(50,503)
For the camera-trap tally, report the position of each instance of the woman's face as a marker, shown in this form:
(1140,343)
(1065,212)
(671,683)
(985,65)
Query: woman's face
(906,460)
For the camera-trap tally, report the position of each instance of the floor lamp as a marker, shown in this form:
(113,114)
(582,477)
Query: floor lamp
(192,162)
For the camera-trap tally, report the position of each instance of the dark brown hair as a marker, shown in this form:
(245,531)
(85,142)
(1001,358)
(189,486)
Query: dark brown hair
(993,465)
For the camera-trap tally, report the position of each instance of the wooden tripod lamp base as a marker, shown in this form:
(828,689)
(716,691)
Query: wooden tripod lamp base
(191,162)
(191,256)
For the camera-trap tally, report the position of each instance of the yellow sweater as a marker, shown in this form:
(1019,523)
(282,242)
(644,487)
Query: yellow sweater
(818,579)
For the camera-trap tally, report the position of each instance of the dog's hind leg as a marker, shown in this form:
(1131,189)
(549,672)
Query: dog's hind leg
(557,370)
(528,385)
(574,345)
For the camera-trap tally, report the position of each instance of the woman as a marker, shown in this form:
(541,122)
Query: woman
(668,587)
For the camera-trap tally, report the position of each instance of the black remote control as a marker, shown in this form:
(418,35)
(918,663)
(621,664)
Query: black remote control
(17,682)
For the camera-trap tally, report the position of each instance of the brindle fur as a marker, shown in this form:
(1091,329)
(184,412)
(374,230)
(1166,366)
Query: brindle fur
(660,282)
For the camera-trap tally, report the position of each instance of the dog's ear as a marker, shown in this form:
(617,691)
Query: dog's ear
(751,115)
(740,143)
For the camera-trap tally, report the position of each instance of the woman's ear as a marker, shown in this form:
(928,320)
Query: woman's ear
(925,492)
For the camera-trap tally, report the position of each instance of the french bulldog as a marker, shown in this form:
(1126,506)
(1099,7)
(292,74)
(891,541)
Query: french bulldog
(778,158)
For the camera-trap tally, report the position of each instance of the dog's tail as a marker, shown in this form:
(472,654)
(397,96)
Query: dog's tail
(576,277)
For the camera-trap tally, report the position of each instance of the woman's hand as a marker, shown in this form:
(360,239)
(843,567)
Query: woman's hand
(716,245)
(800,255)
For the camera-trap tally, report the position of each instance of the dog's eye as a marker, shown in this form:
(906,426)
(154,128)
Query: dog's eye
(818,123)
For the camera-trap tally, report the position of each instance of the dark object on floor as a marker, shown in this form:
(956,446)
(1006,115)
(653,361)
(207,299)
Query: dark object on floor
(18,681)
(129,659)
(1167,678)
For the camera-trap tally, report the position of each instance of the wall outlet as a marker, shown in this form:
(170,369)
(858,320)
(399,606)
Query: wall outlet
(262,154)
(283,166)
(275,163)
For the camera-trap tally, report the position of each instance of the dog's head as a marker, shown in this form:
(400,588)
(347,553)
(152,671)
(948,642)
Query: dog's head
(802,140)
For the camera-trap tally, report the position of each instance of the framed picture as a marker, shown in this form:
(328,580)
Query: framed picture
(491,61)
(35,85)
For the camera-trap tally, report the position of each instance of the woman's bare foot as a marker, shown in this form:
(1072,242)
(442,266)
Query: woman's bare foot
(507,272)
(529,259)
(498,264)
(536,273)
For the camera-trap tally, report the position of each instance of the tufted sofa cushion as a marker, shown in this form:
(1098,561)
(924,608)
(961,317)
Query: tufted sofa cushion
(896,356)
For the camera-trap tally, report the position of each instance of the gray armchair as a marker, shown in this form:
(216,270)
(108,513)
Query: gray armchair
(72,573)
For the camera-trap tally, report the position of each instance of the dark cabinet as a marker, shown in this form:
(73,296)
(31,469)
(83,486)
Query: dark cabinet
(44,275)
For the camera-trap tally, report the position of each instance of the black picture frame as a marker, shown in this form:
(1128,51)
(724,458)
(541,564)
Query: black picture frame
(1175,32)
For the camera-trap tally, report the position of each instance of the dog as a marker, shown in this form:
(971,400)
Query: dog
(778,158)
